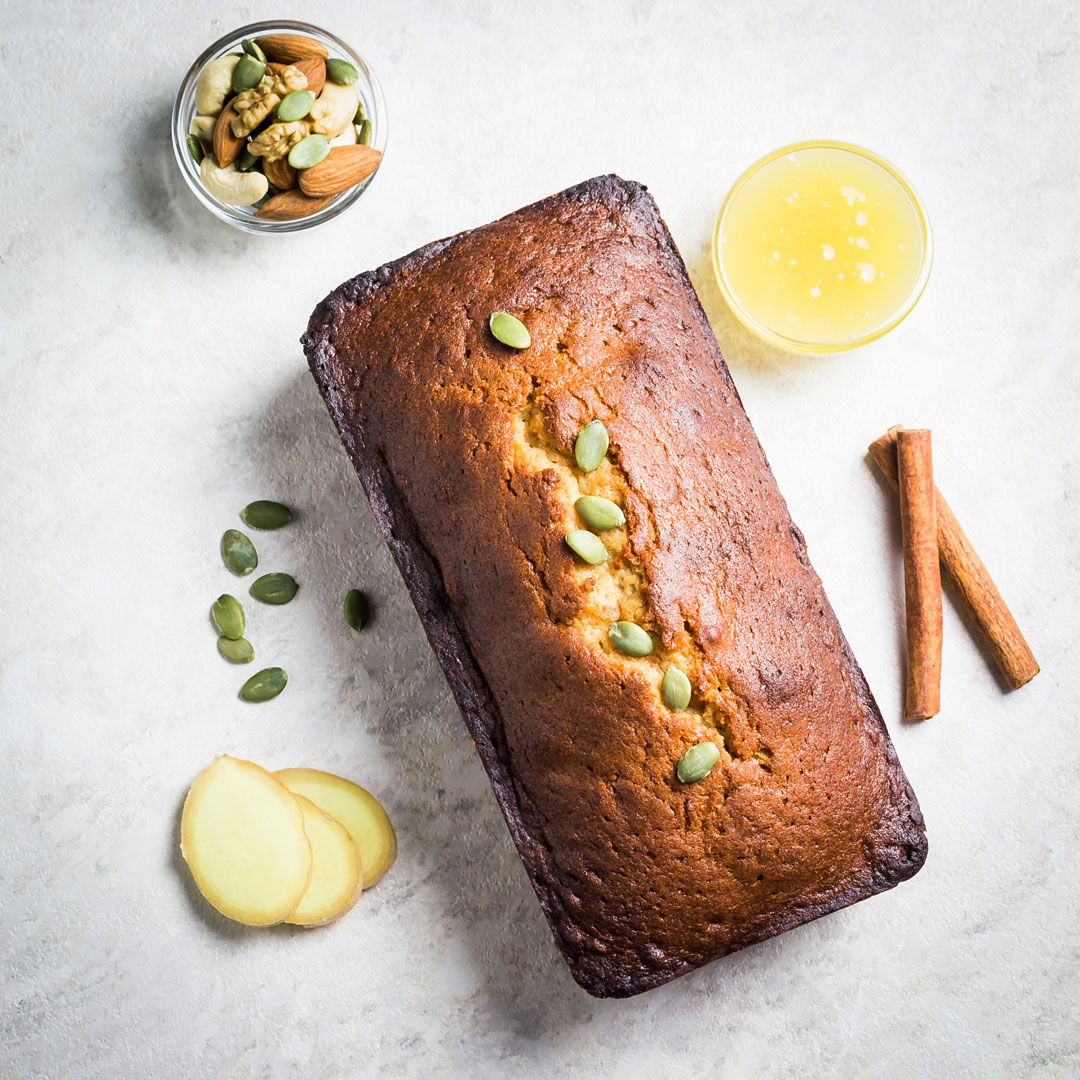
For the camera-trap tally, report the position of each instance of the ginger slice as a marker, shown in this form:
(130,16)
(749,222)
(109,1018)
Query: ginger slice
(357,809)
(336,881)
(242,836)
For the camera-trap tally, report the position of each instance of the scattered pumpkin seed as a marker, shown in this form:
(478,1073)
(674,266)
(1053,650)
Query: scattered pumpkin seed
(274,588)
(264,685)
(588,545)
(247,161)
(247,73)
(340,72)
(697,762)
(599,513)
(236,650)
(590,446)
(194,144)
(309,151)
(295,105)
(228,617)
(238,552)
(508,330)
(364,138)
(266,514)
(252,49)
(356,609)
(361,114)
(629,638)
(675,689)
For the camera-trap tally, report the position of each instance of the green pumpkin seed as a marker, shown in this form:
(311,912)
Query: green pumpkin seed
(361,114)
(340,72)
(356,609)
(238,552)
(508,330)
(266,514)
(586,544)
(252,49)
(195,146)
(264,685)
(295,105)
(629,638)
(697,762)
(675,689)
(274,588)
(236,651)
(364,138)
(228,616)
(309,151)
(590,446)
(599,513)
(247,161)
(247,73)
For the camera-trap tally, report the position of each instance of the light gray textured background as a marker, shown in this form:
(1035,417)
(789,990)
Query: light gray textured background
(152,384)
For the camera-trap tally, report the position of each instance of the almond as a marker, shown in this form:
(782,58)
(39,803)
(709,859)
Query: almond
(314,71)
(288,48)
(227,146)
(290,205)
(280,173)
(342,168)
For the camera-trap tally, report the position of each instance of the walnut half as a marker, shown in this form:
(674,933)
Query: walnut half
(255,105)
(278,139)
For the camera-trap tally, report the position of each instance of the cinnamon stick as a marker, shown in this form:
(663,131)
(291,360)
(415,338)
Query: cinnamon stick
(922,574)
(970,577)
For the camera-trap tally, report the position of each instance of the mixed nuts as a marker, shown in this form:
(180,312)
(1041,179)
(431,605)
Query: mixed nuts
(280,127)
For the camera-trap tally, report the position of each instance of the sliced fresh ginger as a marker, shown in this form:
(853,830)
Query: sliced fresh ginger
(336,883)
(242,835)
(358,810)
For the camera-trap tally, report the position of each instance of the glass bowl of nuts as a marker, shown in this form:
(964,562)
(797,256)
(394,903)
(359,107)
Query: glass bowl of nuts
(279,126)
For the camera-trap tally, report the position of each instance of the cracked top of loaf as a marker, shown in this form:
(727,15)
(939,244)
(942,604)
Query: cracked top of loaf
(465,448)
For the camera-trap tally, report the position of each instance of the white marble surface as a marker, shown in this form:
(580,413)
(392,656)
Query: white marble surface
(152,384)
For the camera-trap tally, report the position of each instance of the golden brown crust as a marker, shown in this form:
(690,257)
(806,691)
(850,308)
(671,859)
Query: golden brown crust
(463,446)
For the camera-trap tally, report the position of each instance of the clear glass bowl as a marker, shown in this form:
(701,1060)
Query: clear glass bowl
(243,217)
(791,344)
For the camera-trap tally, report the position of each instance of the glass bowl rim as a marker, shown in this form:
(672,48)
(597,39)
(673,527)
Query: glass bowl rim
(180,124)
(808,348)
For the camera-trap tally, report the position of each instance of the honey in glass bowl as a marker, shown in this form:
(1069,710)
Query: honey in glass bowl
(821,247)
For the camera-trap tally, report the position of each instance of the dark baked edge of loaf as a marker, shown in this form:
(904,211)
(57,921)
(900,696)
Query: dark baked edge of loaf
(420,571)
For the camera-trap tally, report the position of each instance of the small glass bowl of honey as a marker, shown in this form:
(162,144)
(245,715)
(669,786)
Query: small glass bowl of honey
(820,247)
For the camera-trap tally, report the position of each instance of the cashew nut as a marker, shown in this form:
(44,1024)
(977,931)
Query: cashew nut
(334,110)
(346,138)
(214,85)
(231,186)
(203,128)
